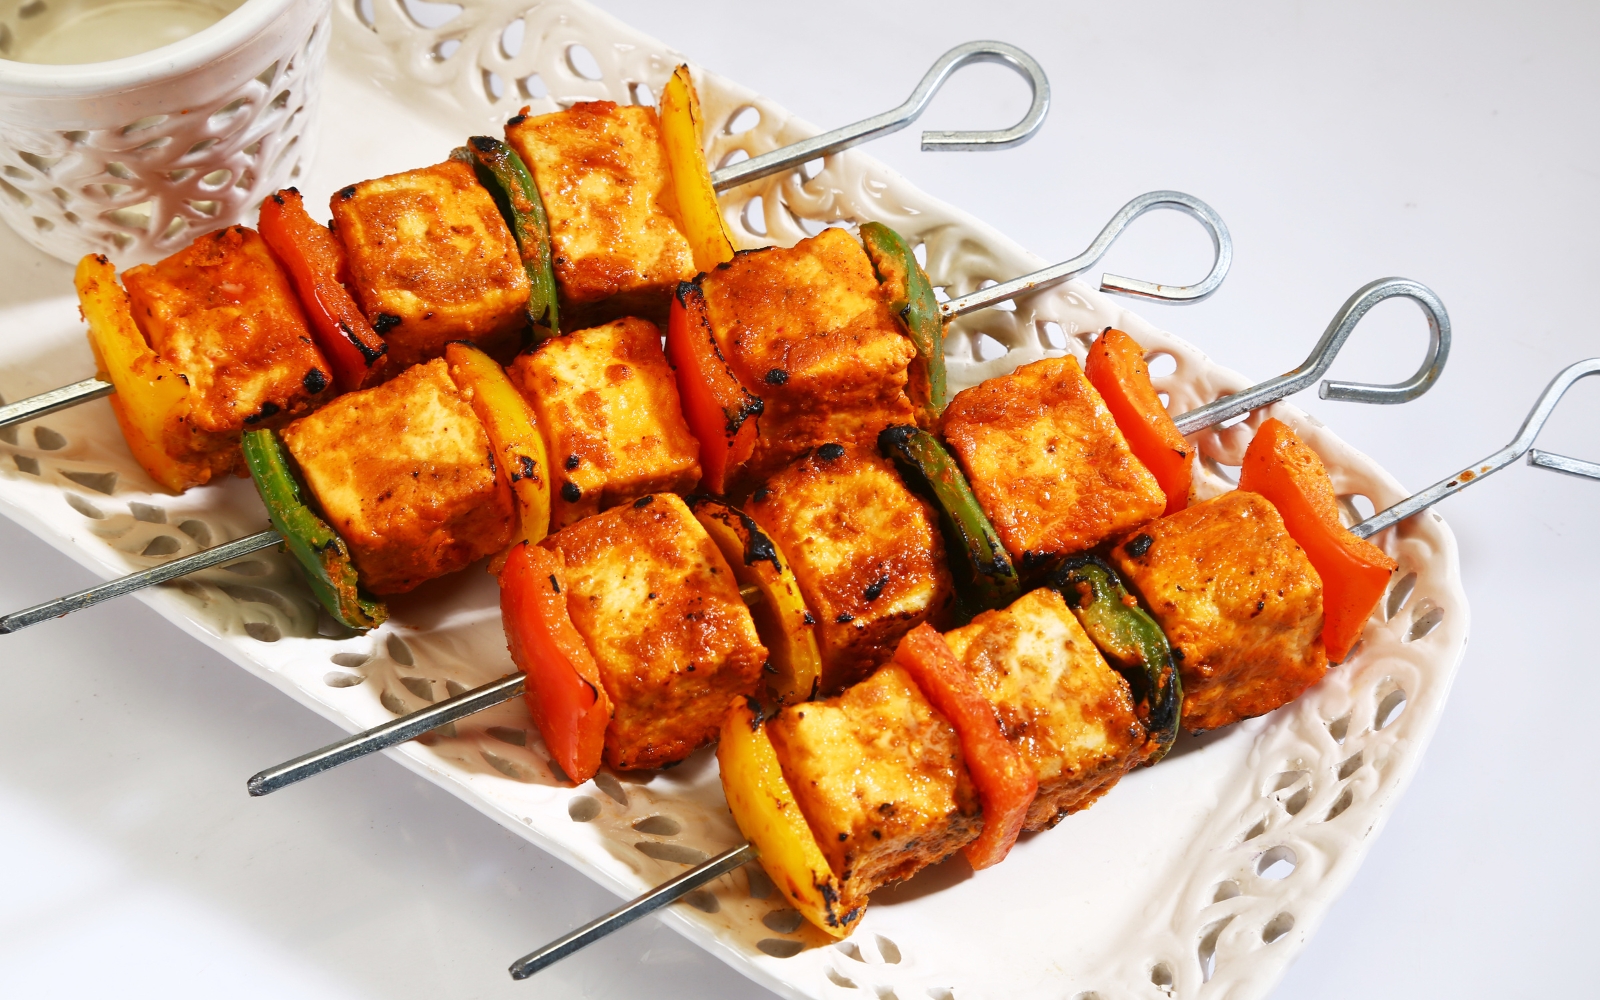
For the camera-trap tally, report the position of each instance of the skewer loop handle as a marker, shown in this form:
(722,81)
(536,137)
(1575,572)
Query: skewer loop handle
(1339,329)
(1188,204)
(56,399)
(793,155)
(1520,445)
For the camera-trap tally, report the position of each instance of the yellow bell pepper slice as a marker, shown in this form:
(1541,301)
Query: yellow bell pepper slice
(698,210)
(785,626)
(513,430)
(152,400)
(770,819)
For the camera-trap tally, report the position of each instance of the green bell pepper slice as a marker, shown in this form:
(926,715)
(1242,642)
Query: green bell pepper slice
(322,554)
(911,297)
(1130,639)
(501,171)
(985,577)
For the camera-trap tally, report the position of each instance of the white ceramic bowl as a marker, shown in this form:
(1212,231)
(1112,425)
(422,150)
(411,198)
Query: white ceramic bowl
(135,157)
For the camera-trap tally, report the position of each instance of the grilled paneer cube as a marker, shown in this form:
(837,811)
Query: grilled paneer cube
(223,314)
(1068,713)
(617,242)
(808,330)
(879,776)
(865,550)
(431,261)
(660,610)
(1047,462)
(1239,601)
(404,472)
(608,409)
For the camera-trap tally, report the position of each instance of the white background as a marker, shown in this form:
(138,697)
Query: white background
(1452,143)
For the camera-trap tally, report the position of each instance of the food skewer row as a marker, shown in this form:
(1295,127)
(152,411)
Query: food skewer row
(349,349)
(980,559)
(675,459)
(783,833)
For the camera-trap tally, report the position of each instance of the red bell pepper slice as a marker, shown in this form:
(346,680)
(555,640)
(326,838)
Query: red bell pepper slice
(1116,369)
(1354,572)
(716,407)
(315,261)
(1006,784)
(564,693)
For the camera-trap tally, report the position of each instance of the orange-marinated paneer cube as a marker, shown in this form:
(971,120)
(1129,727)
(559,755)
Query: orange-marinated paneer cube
(808,330)
(660,610)
(879,776)
(1047,462)
(866,551)
(1068,713)
(615,236)
(404,473)
(608,409)
(222,312)
(1239,601)
(431,261)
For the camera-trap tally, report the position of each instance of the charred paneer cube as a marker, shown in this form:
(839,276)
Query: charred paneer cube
(866,551)
(1047,462)
(404,472)
(608,409)
(879,776)
(1239,601)
(1068,713)
(431,261)
(809,332)
(615,236)
(222,312)
(660,610)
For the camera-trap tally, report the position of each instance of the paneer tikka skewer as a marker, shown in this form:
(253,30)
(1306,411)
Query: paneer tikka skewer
(637,440)
(804,791)
(820,519)
(220,345)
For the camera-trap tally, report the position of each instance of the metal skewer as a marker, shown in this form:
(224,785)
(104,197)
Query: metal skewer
(669,891)
(795,154)
(1207,217)
(786,158)
(1520,445)
(204,559)
(455,709)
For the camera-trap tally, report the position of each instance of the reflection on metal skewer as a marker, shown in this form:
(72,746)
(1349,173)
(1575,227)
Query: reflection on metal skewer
(458,708)
(669,891)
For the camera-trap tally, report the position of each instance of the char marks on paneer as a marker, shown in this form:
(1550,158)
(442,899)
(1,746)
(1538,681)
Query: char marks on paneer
(1068,713)
(608,409)
(879,775)
(660,610)
(222,313)
(1047,462)
(1239,601)
(431,261)
(866,551)
(404,472)
(808,330)
(617,242)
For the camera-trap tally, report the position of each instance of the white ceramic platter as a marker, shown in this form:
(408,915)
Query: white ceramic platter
(1201,877)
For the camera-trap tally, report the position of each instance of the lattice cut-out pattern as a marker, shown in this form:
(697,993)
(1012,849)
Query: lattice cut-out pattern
(140,190)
